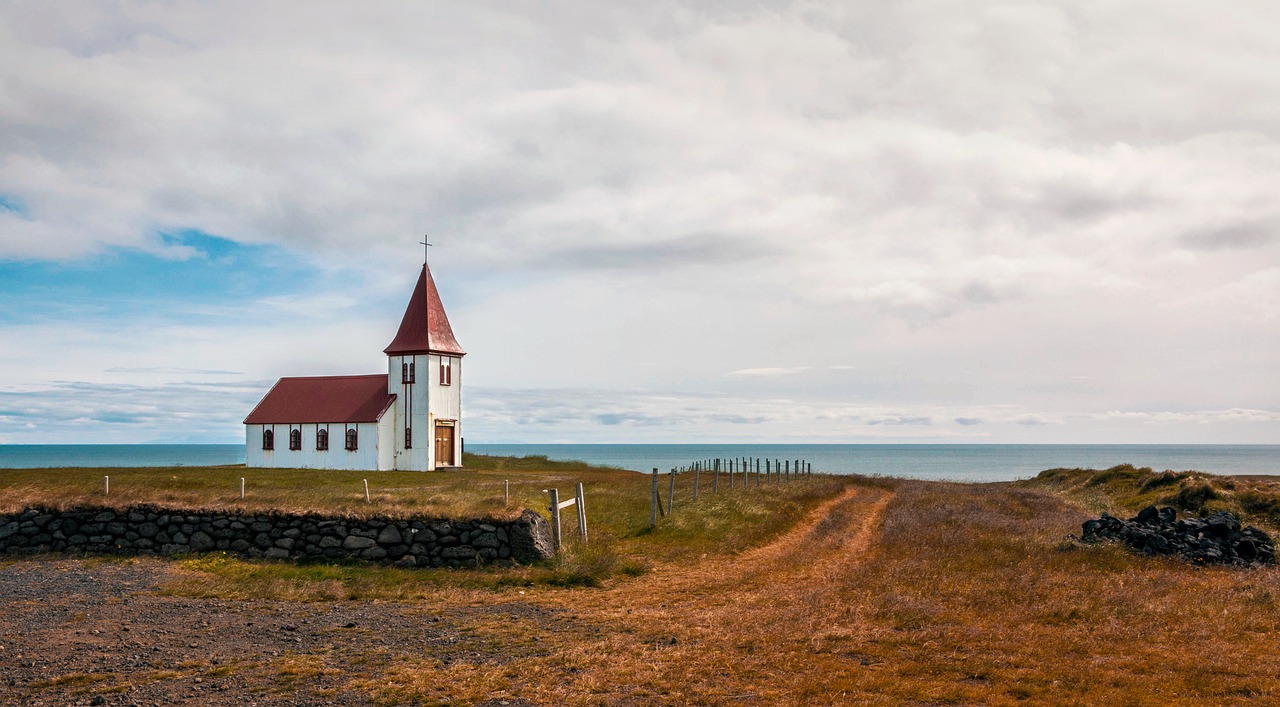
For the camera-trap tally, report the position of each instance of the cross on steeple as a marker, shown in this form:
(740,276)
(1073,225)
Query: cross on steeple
(425,243)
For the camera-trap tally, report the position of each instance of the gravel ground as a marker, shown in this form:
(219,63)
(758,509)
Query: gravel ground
(93,632)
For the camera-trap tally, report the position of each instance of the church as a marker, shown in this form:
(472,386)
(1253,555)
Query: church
(407,419)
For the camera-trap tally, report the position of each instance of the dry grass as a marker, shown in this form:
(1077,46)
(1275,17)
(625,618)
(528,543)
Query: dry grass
(1125,489)
(835,591)
(927,594)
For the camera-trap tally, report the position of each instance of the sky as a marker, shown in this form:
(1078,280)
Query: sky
(888,221)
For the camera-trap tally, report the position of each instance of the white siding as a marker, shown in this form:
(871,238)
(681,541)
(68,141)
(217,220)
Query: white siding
(446,402)
(336,457)
(411,397)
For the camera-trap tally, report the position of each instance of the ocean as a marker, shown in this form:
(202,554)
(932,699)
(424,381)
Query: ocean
(958,462)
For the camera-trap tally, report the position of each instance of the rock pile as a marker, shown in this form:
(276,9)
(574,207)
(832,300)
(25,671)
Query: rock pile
(1157,531)
(147,530)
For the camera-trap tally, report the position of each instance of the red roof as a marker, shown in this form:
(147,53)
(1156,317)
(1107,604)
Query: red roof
(324,399)
(425,328)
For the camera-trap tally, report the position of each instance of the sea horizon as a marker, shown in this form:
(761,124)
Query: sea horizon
(958,461)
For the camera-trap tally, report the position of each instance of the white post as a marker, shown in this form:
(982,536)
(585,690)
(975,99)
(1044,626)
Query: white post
(582,513)
(555,517)
(106,486)
(506,492)
(241,487)
(366,491)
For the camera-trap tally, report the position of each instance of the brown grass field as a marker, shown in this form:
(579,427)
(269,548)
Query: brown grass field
(836,590)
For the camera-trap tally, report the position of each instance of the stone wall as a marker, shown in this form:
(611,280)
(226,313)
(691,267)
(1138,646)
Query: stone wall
(147,530)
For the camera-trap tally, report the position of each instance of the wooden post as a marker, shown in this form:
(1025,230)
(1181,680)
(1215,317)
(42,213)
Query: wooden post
(671,492)
(366,491)
(506,492)
(715,482)
(580,502)
(653,501)
(730,463)
(106,486)
(696,468)
(241,487)
(555,518)
(788,470)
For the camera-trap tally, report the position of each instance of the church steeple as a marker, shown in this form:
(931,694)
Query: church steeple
(425,327)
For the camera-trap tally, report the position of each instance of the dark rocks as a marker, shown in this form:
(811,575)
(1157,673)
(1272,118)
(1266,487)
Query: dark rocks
(404,543)
(355,542)
(531,538)
(1218,539)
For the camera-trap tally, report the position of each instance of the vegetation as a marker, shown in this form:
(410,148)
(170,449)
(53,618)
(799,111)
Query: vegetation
(1125,489)
(830,591)
(618,504)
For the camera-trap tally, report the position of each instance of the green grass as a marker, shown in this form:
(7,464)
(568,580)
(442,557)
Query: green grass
(618,504)
(1125,489)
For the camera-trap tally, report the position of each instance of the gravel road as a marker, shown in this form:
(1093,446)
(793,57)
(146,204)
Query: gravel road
(93,632)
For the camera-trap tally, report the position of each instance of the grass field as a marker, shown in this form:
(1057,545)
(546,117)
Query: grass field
(836,591)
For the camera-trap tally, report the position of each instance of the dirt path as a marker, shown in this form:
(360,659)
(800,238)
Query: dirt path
(95,632)
(726,628)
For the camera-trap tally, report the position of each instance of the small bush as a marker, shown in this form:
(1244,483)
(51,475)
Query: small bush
(1121,472)
(1164,478)
(1192,496)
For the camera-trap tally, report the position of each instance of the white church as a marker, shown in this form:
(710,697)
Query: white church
(409,418)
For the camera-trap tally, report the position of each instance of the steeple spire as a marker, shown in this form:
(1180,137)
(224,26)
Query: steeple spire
(425,327)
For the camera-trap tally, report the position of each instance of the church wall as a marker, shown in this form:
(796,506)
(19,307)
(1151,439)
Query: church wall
(410,397)
(446,400)
(365,457)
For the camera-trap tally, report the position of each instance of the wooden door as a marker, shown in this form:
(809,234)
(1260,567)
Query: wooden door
(444,445)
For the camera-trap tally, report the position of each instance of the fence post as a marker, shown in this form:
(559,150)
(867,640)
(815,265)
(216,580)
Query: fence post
(715,483)
(106,486)
(506,492)
(580,502)
(671,492)
(653,501)
(241,487)
(366,491)
(555,517)
(730,461)
(787,469)
(696,467)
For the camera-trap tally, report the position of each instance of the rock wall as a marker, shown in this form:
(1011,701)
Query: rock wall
(147,530)
(1157,531)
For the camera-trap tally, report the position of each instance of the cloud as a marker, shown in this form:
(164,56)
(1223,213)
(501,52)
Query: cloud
(953,207)
(768,372)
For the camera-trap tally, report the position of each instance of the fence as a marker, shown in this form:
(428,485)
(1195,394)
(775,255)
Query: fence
(557,505)
(743,471)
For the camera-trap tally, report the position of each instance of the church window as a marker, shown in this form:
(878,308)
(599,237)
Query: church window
(352,440)
(268,440)
(295,440)
(322,440)
(446,372)
(408,438)
(406,372)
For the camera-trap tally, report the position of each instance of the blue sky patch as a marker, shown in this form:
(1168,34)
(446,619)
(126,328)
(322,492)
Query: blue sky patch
(13,204)
(190,274)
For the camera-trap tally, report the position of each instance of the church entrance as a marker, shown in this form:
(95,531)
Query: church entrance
(444,444)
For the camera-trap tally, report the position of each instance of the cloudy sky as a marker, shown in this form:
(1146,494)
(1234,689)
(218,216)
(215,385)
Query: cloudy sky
(929,220)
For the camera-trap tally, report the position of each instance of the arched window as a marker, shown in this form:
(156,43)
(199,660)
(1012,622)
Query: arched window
(268,439)
(322,440)
(406,372)
(295,440)
(446,371)
(352,440)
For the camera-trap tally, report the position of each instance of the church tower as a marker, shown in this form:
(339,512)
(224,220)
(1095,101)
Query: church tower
(425,374)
